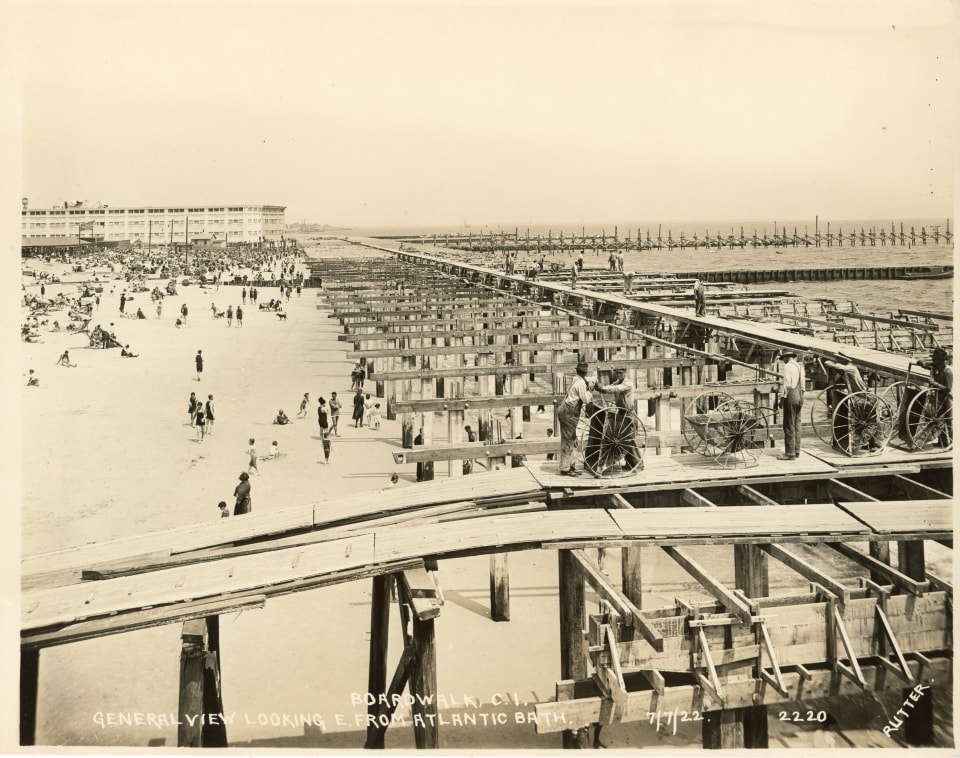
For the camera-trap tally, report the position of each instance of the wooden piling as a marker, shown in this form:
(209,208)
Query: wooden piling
(379,636)
(918,726)
(29,682)
(573,662)
(500,586)
(423,685)
(751,575)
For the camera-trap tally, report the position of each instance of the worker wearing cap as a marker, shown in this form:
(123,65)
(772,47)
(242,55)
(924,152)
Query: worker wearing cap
(851,439)
(624,429)
(568,415)
(794,381)
(941,377)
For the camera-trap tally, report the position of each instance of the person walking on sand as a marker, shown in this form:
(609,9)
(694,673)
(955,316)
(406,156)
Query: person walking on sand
(159,307)
(322,419)
(239,316)
(192,407)
(229,315)
(252,452)
(209,414)
(183,312)
(302,413)
(335,407)
(200,421)
(123,300)
(244,500)
(243,295)
(199,361)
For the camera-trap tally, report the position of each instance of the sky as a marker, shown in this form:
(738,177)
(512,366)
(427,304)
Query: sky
(401,113)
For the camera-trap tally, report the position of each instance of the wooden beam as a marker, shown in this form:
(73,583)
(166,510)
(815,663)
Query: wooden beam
(730,601)
(465,450)
(533,368)
(807,571)
(422,593)
(881,569)
(694,498)
(914,489)
(752,496)
(631,615)
(465,404)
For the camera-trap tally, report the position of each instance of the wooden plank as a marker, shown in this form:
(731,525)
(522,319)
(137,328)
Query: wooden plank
(460,451)
(533,368)
(475,403)
(891,516)
(912,488)
(752,496)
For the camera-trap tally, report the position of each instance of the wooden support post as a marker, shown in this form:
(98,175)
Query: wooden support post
(379,637)
(573,660)
(500,586)
(485,429)
(918,728)
(192,654)
(455,426)
(423,685)
(751,576)
(723,730)
(29,682)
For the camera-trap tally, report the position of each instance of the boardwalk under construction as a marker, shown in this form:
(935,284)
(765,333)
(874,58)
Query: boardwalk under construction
(444,342)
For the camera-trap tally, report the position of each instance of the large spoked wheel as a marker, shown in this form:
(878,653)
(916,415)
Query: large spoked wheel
(821,412)
(929,420)
(613,441)
(736,433)
(695,418)
(863,423)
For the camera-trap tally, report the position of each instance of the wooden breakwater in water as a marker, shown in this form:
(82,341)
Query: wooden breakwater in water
(759,276)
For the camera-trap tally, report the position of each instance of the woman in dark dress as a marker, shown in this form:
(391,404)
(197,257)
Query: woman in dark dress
(358,409)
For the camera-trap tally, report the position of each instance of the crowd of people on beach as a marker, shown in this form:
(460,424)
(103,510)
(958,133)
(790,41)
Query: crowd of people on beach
(77,303)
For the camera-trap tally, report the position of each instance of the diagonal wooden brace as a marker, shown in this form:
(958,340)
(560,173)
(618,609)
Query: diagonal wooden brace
(852,671)
(712,685)
(775,681)
(620,603)
(901,669)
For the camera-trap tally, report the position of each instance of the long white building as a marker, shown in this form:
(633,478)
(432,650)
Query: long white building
(155,224)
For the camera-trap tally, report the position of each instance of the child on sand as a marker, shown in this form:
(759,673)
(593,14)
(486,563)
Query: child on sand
(325,439)
(224,511)
(275,449)
(375,416)
(33,380)
(64,360)
(252,452)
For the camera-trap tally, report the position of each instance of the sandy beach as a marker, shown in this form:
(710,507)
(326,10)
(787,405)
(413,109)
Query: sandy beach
(108,452)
